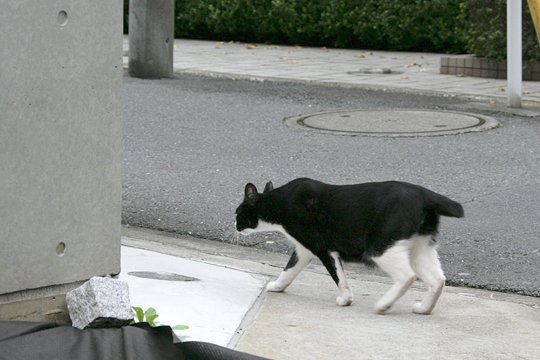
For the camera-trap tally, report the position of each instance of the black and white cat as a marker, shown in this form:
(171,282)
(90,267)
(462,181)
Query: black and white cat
(391,224)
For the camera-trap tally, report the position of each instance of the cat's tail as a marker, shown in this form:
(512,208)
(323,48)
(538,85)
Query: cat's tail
(442,205)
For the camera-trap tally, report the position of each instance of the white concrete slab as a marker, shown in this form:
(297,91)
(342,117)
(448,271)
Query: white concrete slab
(212,307)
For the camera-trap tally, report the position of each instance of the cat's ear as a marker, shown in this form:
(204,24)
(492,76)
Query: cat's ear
(269,187)
(250,194)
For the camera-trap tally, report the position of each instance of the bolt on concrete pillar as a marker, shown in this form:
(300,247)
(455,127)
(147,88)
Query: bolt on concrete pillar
(151,38)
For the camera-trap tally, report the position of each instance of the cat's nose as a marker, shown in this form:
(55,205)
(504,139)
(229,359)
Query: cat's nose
(237,229)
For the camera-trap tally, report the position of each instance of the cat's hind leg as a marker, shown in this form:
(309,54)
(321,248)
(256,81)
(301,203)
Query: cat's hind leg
(333,264)
(425,263)
(395,261)
(300,258)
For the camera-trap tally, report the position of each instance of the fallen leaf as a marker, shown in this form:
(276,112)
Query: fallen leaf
(251,46)
(411,65)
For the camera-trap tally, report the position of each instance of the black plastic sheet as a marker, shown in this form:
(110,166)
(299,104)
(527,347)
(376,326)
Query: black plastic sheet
(34,341)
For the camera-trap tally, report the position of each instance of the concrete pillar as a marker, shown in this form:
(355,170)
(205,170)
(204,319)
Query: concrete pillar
(151,38)
(60,150)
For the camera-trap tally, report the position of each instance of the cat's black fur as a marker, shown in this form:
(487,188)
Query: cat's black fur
(390,223)
(358,221)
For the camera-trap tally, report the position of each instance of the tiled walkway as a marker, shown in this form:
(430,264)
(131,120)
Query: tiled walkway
(415,71)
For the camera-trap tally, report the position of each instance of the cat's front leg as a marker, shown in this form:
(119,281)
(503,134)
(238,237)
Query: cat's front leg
(345,297)
(332,261)
(300,258)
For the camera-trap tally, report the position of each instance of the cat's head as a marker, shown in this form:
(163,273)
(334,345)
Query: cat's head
(247,214)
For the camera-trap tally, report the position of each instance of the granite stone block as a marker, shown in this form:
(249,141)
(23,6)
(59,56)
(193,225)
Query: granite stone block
(100,302)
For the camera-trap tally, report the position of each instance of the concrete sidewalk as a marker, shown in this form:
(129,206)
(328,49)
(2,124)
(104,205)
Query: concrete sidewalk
(305,323)
(410,71)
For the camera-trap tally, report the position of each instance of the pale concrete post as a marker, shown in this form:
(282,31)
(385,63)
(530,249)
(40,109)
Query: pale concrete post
(514,54)
(60,151)
(151,38)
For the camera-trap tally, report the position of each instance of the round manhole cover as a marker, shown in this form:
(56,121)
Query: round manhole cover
(384,122)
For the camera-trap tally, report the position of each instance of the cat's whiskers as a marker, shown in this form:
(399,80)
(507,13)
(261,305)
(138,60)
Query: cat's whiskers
(232,236)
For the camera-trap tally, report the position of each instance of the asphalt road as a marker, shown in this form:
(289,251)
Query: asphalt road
(192,143)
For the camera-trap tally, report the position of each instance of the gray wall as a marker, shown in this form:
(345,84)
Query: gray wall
(60,141)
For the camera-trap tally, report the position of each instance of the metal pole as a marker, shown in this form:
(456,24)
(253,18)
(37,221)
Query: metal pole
(513,52)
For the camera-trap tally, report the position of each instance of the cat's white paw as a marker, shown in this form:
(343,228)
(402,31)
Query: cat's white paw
(419,308)
(344,301)
(274,287)
(381,308)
